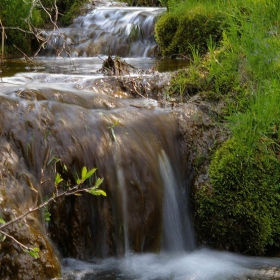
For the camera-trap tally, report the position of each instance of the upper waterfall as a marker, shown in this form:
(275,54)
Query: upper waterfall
(122,31)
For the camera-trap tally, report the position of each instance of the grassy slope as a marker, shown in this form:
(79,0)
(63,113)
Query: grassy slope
(240,69)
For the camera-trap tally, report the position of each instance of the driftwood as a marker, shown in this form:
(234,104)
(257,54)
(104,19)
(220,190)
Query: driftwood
(116,67)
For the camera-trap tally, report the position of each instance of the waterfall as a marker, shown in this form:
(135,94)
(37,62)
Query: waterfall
(123,247)
(122,31)
(146,207)
(178,233)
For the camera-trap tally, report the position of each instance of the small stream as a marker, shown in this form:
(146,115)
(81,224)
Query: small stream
(85,66)
(143,230)
(179,258)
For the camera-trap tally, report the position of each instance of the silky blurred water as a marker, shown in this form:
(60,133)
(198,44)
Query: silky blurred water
(83,66)
(201,264)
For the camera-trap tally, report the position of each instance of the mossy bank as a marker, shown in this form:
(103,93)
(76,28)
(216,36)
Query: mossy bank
(233,50)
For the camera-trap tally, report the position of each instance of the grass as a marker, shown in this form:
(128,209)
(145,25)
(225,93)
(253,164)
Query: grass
(241,69)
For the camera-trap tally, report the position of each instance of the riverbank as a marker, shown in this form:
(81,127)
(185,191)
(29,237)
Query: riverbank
(235,62)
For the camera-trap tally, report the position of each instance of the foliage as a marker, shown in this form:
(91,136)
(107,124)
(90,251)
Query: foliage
(71,9)
(21,19)
(13,14)
(80,187)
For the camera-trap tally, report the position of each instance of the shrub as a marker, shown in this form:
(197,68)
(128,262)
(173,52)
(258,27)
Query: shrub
(13,13)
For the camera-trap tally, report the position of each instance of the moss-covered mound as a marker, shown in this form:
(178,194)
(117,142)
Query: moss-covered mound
(179,34)
(240,211)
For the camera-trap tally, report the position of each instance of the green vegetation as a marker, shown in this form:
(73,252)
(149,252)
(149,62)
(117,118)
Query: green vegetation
(84,183)
(142,3)
(15,16)
(235,63)
(70,9)
(180,30)
(240,212)
(21,19)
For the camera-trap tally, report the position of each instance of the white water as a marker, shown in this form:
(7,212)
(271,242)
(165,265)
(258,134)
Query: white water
(178,235)
(123,215)
(201,264)
(122,31)
(174,262)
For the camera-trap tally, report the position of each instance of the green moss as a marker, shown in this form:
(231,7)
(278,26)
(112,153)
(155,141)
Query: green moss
(143,3)
(165,29)
(176,33)
(239,211)
(188,82)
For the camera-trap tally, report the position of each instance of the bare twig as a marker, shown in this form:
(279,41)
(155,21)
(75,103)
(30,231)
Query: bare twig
(15,240)
(26,56)
(70,191)
(3,40)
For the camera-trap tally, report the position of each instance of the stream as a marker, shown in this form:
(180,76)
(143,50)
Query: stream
(62,108)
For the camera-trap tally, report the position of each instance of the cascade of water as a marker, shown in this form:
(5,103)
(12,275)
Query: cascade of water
(125,31)
(121,188)
(144,166)
(177,230)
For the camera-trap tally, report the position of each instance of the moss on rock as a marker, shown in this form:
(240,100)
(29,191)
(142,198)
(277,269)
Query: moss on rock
(239,211)
(177,34)
(149,3)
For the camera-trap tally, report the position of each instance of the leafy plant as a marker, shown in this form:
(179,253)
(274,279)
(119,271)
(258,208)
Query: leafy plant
(70,190)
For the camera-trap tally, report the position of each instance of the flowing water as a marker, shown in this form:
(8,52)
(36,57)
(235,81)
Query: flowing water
(125,31)
(143,228)
(201,264)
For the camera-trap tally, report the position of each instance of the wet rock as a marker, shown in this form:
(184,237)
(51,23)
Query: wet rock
(116,66)
(16,198)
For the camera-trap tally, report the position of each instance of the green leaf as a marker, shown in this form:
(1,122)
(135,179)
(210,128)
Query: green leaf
(115,123)
(79,181)
(90,173)
(98,182)
(55,160)
(47,215)
(97,192)
(65,167)
(2,221)
(84,173)
(58,179)
(34,252)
